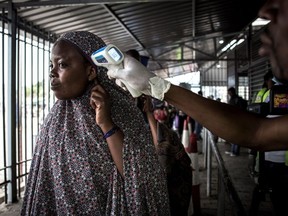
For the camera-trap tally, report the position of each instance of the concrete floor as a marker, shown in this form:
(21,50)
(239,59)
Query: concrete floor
(10,209)
(238,168)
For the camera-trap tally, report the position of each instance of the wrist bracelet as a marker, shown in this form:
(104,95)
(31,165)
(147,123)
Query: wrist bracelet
(111,132)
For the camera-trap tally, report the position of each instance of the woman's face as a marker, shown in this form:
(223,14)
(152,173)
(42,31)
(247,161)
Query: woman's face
(70,73)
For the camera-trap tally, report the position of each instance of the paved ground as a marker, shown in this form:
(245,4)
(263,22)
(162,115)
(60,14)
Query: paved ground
(238,171)
(243,183)
(10,209)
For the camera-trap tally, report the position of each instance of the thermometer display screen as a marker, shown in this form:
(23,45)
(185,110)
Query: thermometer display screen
(114,54)
(108,55)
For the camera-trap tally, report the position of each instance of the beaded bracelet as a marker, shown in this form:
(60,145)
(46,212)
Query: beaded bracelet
(111,132)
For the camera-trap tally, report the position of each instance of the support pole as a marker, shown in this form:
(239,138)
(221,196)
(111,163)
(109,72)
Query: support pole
(11,109)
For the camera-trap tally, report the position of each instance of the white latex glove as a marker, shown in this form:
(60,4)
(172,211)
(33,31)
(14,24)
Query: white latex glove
(126,87)
(135,93)
(136,77)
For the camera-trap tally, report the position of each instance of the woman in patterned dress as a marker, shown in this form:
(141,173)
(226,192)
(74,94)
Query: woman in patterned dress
(172,156)
(77,171)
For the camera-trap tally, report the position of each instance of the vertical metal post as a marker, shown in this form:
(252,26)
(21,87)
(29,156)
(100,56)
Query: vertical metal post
(249,55)
(11,86)
(221,196)
(209,167)
(205,148)
(19,117)
(3,114)
(193,29)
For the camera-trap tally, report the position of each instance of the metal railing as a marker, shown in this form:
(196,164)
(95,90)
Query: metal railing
(226,187)
(25,98)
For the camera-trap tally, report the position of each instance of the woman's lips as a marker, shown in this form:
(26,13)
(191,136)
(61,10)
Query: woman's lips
(54,84)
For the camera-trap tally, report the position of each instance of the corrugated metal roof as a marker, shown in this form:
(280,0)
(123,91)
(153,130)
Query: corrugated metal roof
(170,33)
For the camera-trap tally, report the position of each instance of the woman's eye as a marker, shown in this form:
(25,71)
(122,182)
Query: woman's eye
(50,66)
(62,65)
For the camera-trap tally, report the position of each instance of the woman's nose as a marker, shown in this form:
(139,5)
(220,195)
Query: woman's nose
(53,72)
(51,75)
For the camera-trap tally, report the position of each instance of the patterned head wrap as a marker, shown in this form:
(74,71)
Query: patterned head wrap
(72,171)
(86,43)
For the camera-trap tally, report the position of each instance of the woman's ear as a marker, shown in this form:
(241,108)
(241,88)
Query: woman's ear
(92,73)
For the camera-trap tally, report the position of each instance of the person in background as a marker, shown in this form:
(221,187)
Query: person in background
(93,156)
(261,97)
(272,169)
(172,156)
(170,151)
(263,93)
(172,114)
(234,100)
(134,53)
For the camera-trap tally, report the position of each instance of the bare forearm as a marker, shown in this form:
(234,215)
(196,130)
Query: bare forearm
(115,144)
(227,121)
(153,127)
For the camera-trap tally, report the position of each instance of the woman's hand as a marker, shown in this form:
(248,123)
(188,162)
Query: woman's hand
(100,101)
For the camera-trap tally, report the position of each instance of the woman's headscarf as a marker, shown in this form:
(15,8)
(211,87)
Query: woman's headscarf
(72,172)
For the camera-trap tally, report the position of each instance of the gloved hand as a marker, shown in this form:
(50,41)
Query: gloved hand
(136,77)
(126,87)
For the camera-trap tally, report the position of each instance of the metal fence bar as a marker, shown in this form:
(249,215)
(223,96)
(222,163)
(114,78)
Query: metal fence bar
(4,183)
(25,81)
(221,196)
(3,107)
(18,114)
(237,206)
(205,143)
(11,138)
(24,138)
(209,164)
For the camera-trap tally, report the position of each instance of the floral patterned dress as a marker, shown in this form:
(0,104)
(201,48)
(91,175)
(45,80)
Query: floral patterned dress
(72,171)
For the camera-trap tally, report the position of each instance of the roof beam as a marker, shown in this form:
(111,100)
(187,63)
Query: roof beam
(82,2)
(199,60)
(111,12)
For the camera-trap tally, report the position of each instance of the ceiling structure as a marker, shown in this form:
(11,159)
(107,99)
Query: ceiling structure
(177,36)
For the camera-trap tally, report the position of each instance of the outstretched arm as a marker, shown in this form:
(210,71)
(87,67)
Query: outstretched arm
(229,122)
(151,120)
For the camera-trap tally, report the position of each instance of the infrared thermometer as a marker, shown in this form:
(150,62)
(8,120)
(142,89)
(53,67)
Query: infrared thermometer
(111,55)
(108,55)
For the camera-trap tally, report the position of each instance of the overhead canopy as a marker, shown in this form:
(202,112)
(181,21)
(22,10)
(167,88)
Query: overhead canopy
(179,35)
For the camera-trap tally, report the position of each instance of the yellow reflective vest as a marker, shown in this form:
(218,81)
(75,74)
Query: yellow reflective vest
(262,96)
